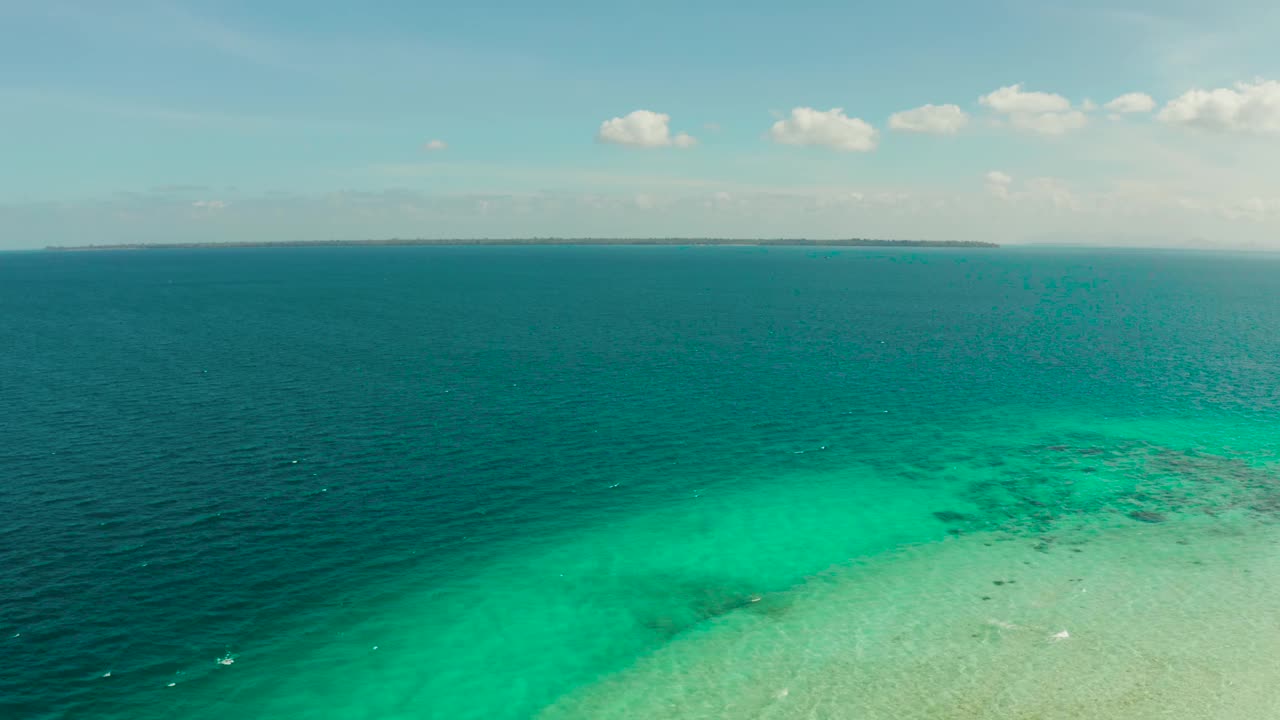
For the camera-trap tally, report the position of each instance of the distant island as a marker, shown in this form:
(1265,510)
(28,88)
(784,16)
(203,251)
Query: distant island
(398,242)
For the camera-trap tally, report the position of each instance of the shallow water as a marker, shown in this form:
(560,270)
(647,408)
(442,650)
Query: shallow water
(639,482)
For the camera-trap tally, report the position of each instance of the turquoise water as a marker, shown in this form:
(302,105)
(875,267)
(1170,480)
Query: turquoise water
(639,482)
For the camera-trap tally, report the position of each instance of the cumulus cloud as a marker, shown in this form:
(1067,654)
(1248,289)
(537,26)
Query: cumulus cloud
(721,200)
(830,128)
(932,119)
(435,145)
(1013,99)
(1035,112)
(1052,192)
(1039,192)
(1253,208)
(1248,108)
(998,184)
(1134,102)
(210,204)
(643,128)
(1049,123)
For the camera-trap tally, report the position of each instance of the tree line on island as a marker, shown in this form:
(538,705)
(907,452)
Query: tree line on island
(402,242)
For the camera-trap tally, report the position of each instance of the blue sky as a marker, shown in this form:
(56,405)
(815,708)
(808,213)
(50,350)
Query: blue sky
(185,120)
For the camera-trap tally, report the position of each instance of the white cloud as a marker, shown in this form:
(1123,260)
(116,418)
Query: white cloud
(998,184)
(831,128)
(890,198)
(435,145)
(1249,108)
(1035,112)
(210,204)
(1012,99)
(1088,105)
(1040,192)
(720,200)
(1134,102)
(1054,192)
(1049,123)
(1254,208)
(933,119)
(1168,209)
(643,128)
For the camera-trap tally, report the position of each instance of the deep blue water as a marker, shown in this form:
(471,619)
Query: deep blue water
(247,453)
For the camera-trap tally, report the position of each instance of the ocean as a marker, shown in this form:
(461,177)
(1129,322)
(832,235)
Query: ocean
(639,482)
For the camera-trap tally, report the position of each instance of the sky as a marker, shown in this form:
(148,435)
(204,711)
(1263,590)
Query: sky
(1136,122)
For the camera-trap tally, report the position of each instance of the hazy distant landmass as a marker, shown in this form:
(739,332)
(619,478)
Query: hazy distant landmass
(398,242)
